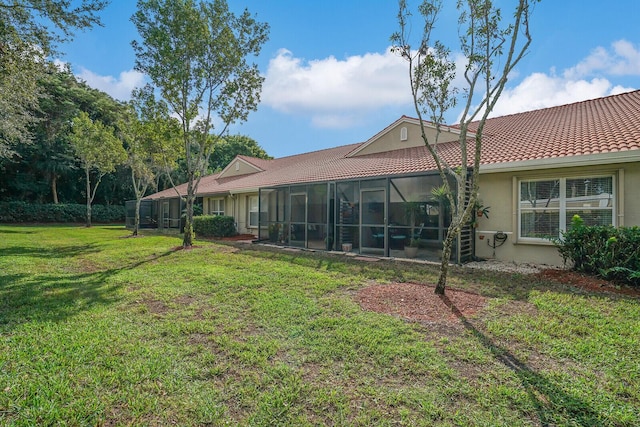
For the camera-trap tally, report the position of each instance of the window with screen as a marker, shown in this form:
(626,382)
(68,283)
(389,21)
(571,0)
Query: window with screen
(547,206)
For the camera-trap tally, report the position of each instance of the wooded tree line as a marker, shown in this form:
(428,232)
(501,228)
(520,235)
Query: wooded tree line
(44,167)
(64,142)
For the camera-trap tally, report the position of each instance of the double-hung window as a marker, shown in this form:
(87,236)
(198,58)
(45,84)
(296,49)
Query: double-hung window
(216,206)
(546,206)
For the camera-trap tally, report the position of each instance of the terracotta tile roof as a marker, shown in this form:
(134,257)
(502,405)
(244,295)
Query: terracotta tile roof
(599,126)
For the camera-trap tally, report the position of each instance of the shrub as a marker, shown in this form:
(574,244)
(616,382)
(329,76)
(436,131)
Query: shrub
(609,252)
(17,212)
(214,226)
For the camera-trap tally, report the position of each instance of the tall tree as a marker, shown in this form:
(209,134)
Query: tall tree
(150,136)
(98,150)
(53,156)
(229,146)
(30,31)
(47,167)
(195,53)
(492,50)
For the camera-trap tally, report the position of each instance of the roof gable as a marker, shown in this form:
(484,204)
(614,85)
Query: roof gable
(405,133)
(239,166)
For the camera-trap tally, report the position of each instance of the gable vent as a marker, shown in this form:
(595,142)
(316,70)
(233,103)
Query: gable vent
(403,134)
(237,166)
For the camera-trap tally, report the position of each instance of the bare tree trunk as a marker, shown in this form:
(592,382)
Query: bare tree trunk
(187,241)
(136,225)
(446,257)
(54,188)
(88,198)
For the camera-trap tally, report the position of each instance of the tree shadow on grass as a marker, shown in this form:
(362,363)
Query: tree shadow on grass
(554,406)
(8,231)
(55,297)
(53,253)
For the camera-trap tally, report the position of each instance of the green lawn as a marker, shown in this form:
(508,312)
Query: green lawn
(99,329)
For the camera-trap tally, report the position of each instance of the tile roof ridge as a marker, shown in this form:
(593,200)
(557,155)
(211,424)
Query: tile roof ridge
(597,100)
(306,153)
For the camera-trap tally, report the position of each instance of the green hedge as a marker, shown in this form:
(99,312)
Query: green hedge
(13,212)
(609,252)
(214,226)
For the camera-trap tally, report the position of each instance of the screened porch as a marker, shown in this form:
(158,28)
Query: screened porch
(379,217)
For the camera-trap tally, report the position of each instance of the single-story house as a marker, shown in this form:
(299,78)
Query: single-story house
(538,169)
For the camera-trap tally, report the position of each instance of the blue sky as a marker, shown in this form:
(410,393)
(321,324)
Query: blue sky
(330,79)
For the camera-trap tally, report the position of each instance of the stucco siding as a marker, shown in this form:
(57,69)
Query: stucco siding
(631,193)
(500,192)
(242,213)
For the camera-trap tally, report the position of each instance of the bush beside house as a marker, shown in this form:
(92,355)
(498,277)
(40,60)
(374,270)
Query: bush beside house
(606,251)
(214,226)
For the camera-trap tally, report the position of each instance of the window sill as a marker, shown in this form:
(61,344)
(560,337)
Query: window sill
(541,242)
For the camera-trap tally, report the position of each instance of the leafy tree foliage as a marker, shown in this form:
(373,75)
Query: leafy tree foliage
(492,49)
(152,140)
(30,32)
(229,146)
(195,53)
(47,170)
(98,150)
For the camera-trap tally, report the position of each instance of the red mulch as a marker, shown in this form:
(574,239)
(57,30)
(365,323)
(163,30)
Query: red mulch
(586,282)
(238,237)
(419,302)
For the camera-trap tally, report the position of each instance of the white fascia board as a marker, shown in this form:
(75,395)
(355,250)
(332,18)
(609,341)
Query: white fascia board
(564,162)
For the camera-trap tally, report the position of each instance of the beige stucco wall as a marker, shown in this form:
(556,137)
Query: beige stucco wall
(390,139)
(499,191)
(238,167)
(632,195)
(242,214)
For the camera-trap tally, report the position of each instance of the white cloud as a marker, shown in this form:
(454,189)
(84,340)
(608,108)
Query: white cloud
(336,93)
(589,79)
(622,59)
(541,90)
(119,88)
(339,94)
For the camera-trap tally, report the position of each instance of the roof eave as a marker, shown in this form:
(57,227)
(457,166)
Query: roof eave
(564,162)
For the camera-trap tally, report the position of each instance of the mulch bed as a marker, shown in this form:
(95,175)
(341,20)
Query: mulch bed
(419,302)
(237,238)
(586,282)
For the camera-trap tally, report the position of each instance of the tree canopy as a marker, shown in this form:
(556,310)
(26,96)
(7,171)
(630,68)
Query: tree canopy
(98,150)
(492,48)
(229,146)
(30,33)
(196,55)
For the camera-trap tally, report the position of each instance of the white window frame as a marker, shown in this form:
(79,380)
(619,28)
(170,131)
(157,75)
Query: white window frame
(562,203)
(251,200)
(214,206)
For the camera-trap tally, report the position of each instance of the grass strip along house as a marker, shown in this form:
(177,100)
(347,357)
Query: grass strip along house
(538,169)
